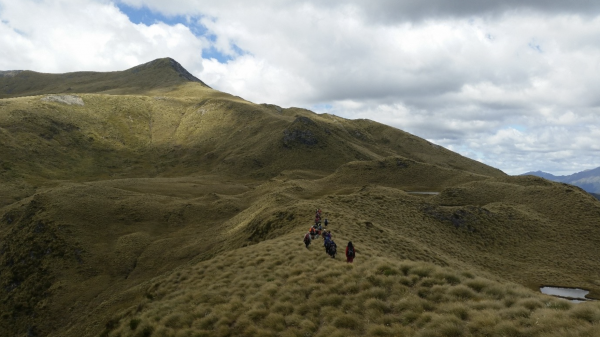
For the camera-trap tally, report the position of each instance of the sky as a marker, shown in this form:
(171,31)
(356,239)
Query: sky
(512,83)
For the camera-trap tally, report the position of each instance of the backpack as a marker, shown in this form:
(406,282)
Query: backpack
(351,251)
(332,249)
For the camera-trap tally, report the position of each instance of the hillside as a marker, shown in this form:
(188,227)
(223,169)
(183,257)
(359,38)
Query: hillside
(179,211)
(588,180)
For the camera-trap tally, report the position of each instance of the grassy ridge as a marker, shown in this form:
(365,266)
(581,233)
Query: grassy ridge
(278,288)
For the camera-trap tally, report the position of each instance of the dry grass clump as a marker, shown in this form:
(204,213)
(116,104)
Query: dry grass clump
(332,298)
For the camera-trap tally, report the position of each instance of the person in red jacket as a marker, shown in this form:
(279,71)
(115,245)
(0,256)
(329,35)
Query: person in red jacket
(350,252)
(307,239)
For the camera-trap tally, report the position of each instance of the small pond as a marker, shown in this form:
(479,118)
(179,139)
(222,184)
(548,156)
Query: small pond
(573,294)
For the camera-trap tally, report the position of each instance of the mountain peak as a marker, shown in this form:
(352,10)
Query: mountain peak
(168,63)
(159,74)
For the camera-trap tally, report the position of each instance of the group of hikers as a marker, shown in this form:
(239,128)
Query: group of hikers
(317,230)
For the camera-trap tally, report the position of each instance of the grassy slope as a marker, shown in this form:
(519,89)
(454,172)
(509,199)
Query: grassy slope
(108,208)
(194,129)
(278,288)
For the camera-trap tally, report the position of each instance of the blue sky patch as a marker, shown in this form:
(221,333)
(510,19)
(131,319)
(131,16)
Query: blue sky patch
(535,47)
(517,127)
(146,16)
(323,107)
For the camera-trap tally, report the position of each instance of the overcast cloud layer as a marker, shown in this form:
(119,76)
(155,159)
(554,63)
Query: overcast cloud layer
(513,84)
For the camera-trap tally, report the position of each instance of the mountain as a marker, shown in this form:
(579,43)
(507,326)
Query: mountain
(589,180)
(157,75)
(149,204)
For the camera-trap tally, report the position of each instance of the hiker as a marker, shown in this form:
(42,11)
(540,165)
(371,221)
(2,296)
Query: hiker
(326,243)
(326,237)
(350,252)
(332,249)
(307,240)
(312,232)
(326,222)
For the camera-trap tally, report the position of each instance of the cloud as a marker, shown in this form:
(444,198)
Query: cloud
(390,11)
(62,36)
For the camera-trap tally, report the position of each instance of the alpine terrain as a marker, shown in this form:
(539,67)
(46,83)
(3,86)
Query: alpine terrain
(145,203)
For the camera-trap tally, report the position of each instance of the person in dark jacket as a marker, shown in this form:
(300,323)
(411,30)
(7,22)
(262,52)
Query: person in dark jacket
(307,239)
(332,249)
(350,252)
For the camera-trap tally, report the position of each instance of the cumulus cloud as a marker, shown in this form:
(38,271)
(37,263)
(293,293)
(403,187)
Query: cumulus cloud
(509,83)
(63,35)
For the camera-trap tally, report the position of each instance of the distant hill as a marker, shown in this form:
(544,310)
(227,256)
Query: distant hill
(588,180)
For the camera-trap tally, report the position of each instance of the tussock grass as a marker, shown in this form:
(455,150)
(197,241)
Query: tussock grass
(332,298)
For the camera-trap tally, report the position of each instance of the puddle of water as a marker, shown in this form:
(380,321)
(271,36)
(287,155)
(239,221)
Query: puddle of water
(573,294)
(579,301)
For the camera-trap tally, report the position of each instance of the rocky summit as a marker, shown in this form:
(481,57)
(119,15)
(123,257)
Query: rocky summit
(143,202)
